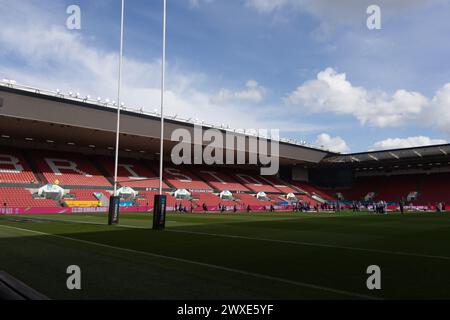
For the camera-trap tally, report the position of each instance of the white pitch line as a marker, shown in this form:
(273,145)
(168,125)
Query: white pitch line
(310,244)
(211,266)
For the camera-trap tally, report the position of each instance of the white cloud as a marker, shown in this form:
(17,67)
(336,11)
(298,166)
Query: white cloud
(335,144)
(331,92)
(196,3)
(439,117)
(267,5)
(332,14)
(336,10)
(399,143)
(50,57)
(254,93)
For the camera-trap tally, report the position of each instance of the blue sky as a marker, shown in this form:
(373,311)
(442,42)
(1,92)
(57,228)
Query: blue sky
(309,68)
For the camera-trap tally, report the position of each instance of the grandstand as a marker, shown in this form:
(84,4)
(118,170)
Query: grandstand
(66,151)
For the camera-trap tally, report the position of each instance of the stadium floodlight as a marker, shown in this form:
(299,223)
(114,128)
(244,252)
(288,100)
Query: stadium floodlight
(99,99)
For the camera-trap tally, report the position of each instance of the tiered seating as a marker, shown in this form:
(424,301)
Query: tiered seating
(131,173)
(210,199)
(219,180)
(248,199)
(69,169)
(435,188)
(279,184)
(87,194)
(361,187)
(14,168)
(254,182)
(306,186)
(387,188)
(395,188)
(22,198)
(306,199)
(182,178)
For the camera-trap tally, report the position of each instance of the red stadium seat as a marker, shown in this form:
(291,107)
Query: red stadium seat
(251,200)
(22,198)
(131,173)
(310,189)
(279,184)
(254,181)
(220,181)
(14,168)
(69,169)
(182,178)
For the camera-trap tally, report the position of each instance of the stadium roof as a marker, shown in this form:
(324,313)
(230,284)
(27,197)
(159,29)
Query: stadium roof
(107,104)
(415,153)
(35,116)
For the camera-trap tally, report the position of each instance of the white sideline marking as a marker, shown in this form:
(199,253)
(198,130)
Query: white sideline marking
(411,254)
(310,244)
(419,255)
(212,266)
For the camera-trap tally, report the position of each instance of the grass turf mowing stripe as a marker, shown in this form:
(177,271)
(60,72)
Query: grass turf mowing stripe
(301,243)
(207,265)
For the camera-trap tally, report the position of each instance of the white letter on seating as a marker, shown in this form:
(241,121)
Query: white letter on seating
(11,161)
(129,168)
(214,175)
(176,173)
(71,166)
(246,178)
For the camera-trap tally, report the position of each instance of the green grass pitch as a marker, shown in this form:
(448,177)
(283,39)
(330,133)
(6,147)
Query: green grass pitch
(231,256)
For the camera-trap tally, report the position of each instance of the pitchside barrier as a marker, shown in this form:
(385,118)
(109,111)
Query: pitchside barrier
(13,289)
(74,210)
